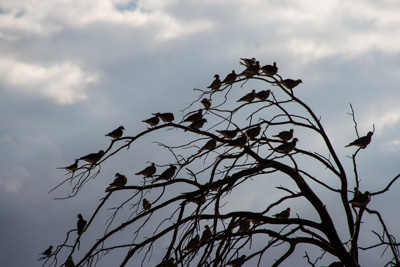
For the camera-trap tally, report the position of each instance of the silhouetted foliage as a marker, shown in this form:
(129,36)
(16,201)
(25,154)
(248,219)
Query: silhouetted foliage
(187,208)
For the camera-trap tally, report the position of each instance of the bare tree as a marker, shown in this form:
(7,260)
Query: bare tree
(185,208)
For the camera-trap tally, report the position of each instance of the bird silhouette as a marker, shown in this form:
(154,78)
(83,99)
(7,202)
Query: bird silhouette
(360,200)
(120,181)
(81,224)
(270,70)
(167,174)
(153,121)
(69,262)
(228,133)
(249,97)
(362,142)
(168,263)
(244,226)
(146,204)
(251,70)
(216,84)
(93,157)
(237,262)
(117,133)
(284,214)
(263,95)
(230,78)
(207,103)
(287,147)
(207,234)
(194,117)
(290,84)
(165,117)
(210,145)
(48,252)
(193,243)
(196,125)
(252,133)
(240,141)
(71,168)
(248,61)
(285,135)
(148,171)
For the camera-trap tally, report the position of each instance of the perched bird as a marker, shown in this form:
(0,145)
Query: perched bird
(244,226)
(153,121)
(228,133)
(249,97)
(48,252)
(251,70)
(117,133)
(193,243)
(165,117)
(81,224)
(69,262)
(284,214)
(253,132)
(206,234)
(263,95)
(216,84)
(207,102)
(290,84)
(167,174)
(237,262)
(146,204)
(210,145)
(168,263)
(270,70)
(230,78)
(360,200)
(71,168)
(120,181)
(362,142)
(194,117)
(198,200)
(93,157)
(287,147)
(248,61)
(148,171)
(240,141)
(285,135)
(197,124)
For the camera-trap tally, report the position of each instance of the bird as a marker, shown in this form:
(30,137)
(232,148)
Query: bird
(167,263)
(206,234)
(198,200)
(117,133)
(249,97)
(167,174)
(216,84)
(81,224)
(197,124)
(240,141)
(237,262)
(362,142)
(248,61)
(252,133)
(230,78)
(193,243)
(69,262)
(207,102)
(194,117)
(71,168)
(287,147)
(290,84)
(360,200)
(285,135)
(165,117)
(119,181)
(244,226)
(148,171)
(146,204)
(284,214)
(263,95)
(228,133)
(270,70)
(47,252)
(251,70)
(210,145)
(153,121)
(93,157)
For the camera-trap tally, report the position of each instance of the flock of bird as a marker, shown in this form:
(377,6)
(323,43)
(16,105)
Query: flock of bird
(197,121)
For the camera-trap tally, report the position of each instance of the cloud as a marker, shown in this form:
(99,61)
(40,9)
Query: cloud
(64,83)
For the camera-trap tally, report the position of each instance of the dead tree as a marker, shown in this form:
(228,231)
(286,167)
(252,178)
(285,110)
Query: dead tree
(182,212)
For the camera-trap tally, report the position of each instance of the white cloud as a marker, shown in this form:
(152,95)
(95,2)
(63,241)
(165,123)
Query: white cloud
(64,83)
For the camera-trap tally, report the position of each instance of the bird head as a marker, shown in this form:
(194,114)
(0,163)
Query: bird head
(121,128)
(80,216)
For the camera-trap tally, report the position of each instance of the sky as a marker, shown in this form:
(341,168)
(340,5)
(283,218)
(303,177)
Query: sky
(72,71)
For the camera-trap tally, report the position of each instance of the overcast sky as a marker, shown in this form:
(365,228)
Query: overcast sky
(72,71)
